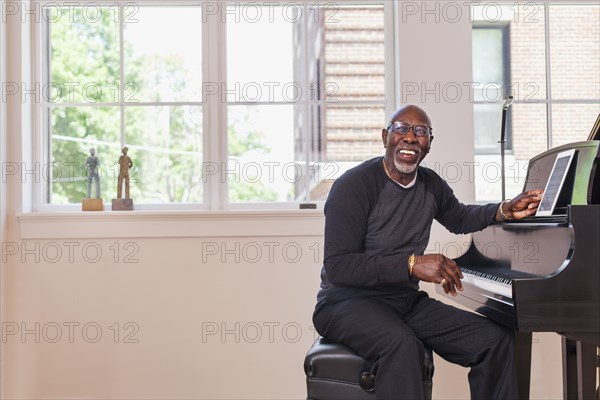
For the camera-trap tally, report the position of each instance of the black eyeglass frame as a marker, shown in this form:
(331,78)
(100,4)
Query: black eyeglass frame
(430,133)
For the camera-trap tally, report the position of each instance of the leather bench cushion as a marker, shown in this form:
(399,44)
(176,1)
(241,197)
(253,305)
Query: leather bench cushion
(328,360)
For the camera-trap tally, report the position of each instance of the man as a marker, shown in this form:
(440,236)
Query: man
(377,226)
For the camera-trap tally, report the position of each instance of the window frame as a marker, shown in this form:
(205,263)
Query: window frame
(504,28)
(214,112)
(42,134)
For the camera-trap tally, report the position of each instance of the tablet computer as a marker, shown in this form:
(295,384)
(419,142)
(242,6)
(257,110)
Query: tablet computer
(555,183)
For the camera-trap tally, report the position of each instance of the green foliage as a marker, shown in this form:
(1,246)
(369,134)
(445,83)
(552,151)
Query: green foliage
(242,139)
(244,191)
(239,144)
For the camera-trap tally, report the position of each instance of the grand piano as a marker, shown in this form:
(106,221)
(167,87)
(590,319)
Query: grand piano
(542,274)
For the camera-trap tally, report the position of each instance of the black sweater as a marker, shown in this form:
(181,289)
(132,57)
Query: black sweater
(372,225)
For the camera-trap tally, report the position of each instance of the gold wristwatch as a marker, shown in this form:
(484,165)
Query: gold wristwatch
(412,260)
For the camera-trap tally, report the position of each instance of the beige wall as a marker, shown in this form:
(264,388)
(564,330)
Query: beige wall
(177,307)
(172,296)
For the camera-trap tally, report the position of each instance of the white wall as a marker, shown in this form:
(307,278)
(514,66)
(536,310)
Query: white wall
(173,296)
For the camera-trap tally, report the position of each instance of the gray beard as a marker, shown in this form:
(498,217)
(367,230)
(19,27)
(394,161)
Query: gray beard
(406,168)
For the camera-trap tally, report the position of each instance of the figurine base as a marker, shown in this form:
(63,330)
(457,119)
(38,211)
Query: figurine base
(92,205)
(122,204)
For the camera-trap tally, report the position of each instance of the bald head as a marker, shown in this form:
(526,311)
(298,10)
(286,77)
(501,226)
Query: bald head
(413,111)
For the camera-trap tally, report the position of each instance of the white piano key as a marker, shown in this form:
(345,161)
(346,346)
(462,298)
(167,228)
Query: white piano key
(487,284)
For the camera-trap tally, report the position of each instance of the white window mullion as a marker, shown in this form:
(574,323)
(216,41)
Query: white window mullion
(548,77)
(122,73)
(223,119)
(306,104)
(42,127)
(392,56)
(214,114)
(206,114)
(42,116)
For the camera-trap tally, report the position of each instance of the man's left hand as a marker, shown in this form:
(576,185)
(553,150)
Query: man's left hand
(523,205)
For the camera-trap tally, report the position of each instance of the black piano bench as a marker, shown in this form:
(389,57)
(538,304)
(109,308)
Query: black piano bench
(334,372)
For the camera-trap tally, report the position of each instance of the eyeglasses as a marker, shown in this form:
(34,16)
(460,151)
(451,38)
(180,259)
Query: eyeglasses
(402,128)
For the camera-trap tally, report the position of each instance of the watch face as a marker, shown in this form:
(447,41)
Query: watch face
(412,259)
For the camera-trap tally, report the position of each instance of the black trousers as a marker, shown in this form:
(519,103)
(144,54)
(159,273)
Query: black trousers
(389,332)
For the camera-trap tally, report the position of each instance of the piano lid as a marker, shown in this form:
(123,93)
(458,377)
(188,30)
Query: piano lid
(519,250)
(540,246)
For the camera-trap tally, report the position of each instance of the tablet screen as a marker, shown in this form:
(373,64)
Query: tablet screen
(555,182)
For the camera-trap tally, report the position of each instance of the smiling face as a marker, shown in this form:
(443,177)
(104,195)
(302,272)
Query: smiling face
(404,152)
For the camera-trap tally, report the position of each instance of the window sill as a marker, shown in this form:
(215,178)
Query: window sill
(162,224)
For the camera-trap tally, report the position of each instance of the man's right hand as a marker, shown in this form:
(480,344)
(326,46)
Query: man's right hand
(438,268)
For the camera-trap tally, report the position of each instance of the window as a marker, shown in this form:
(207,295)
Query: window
(550,63)
(117,81)
(222,105)
(491,71)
